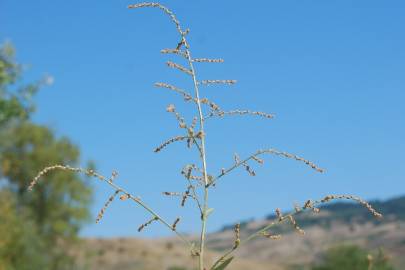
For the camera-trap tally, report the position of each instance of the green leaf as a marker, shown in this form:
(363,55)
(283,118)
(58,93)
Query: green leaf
(223,265)
(209,211)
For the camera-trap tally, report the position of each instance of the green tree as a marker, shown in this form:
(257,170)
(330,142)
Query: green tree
(40,226)
(15,99)
(353,258)
(18,237)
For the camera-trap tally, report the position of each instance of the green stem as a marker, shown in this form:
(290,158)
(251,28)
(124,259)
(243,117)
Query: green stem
(203,159)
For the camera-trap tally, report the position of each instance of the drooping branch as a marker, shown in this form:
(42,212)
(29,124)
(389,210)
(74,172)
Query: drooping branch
(165,10)
(239,112)
(261,152)
(170,141)
(118,189)
(309,205)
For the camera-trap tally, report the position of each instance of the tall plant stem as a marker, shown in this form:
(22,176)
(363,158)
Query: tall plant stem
(203,158)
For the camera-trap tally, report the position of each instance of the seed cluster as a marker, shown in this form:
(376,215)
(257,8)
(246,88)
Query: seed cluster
(309,204)
(186,195)
(165,10)
(125,197)
(175,223)
(169,141)
(244,164)
(174,51)
(291,156)
(187,96)
(108,202)
(217,82)
(179,67)
(239,112)
(271,236)
(143,226)
(352,198)
(208,60)
(49,169)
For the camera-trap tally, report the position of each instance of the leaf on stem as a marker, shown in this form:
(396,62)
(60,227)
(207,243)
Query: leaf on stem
(223,265)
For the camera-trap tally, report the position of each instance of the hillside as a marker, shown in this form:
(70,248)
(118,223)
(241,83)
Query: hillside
(342,212)
(337,223)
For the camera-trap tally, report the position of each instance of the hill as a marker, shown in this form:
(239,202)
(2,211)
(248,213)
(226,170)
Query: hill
(345,213)
(336,224)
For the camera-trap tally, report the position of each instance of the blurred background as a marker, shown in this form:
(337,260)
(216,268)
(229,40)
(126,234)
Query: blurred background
(76,88)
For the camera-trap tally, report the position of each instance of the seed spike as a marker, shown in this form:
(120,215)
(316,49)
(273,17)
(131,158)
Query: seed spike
(186,194)
(295,225)
(174,51)
(176,194)
(186,96)
(165,10)
(179,67)
(239,112)
(207,82)
(108,202)
(170,141)
(125,197)
(208,60)
(271,236)
(175,223)
(146,224)
(352,198)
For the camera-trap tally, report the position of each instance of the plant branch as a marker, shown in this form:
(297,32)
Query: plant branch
(261,152)
(309,205)
(117,188)
(238,112)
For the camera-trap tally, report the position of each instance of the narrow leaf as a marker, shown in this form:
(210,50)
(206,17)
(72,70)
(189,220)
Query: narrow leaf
(209,211)
(223,265)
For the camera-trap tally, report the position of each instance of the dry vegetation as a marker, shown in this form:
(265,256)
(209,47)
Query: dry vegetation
(128,253)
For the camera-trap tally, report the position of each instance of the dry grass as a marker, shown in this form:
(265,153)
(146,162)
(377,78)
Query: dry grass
(129,253)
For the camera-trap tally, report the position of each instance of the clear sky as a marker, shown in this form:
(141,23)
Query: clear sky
(331,71)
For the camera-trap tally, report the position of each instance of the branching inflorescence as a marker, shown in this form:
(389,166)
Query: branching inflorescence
(198,178)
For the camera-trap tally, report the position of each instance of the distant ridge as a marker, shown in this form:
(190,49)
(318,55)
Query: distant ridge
(346,212)
(339,223)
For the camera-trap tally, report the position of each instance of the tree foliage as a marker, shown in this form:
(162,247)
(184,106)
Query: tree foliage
(37,228)
(15,99)
(353,258)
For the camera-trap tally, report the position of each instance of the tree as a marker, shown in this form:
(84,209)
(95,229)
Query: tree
(353,258)
(18,237)
(15,100)
(43,224)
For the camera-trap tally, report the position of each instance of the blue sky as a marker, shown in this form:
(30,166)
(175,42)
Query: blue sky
(331,71)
